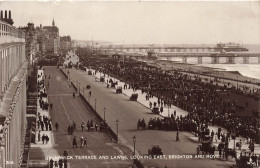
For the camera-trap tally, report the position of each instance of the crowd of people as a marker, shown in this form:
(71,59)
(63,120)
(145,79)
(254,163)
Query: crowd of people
(44,123)
(205,102)
(83,142)
(90,125)
(61,162)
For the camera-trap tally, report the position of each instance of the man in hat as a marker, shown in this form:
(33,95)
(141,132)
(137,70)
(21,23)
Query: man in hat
(74,143)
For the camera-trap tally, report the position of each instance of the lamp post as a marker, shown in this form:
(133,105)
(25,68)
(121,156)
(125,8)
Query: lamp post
(237,82)
(104,114)
(79,88)
(253,85)
(168,110)
(117,122)
(95,104)
(134,139)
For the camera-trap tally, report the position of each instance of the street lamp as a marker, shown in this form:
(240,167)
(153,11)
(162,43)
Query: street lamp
(237,82)
(134,139)
(168,110)
(253,85)
(95,104)
(117,122)
(79,88)
(104,114)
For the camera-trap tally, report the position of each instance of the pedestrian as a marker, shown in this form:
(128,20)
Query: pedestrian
(51,105)
(88,125)
(57,126)
(73,95)
(150,103)
(74,125)
(85,143)
(177,136)
(56,164)
(38,123)
(65,163)
(89,93)
(240,144)
(65,154)
(161,109)
(96,126)
(60,163)
(74,142)
(212,134)
(69,130)
(50,127)
(47,139)
(39,136)
(82,126)
(42,126)
(81,142)
(43,138)
(51,163)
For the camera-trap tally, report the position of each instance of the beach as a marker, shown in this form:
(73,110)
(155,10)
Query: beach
(225,75)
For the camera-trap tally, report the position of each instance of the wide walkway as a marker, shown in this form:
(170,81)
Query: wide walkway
(67,110)
(168,111)
(118,106)
(43,150)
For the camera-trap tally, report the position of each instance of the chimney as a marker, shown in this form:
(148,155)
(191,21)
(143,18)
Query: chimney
(5,14)
(1,15)
(10,15)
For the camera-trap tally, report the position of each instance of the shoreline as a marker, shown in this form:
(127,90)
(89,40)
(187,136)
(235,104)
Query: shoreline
(203,70)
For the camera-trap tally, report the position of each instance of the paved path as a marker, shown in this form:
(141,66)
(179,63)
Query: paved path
(128,112)
(168,111)
(40,150)
(65,110)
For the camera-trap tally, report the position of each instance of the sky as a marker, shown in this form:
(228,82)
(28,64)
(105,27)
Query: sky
(143,22)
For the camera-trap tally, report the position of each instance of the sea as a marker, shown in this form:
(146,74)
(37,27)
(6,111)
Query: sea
(252,69)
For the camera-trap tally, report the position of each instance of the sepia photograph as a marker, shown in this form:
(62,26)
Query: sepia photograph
(129,84)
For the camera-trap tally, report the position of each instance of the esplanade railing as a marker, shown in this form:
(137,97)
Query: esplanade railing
(9,33)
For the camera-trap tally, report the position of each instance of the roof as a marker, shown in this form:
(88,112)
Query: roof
(50,28)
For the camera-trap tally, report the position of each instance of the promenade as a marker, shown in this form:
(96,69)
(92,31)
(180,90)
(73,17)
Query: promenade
(179,112)
(127,112)
(67,110)
(39,150)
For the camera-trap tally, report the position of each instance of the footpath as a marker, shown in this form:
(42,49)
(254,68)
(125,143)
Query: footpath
(167,111)
(44,130)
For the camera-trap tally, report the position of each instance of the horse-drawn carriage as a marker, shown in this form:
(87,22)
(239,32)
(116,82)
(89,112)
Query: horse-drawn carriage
(102,79)
(88,87)
(134,97)
(204,135)
(113,85)
(206,147)
(155,151)
(244,162)
(118,90)
(155,110)
(89,72)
